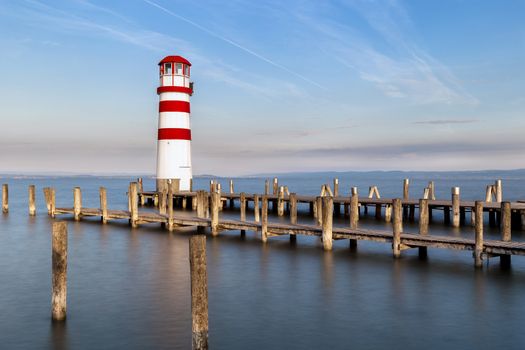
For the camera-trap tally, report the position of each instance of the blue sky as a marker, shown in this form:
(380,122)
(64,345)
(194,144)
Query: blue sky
(280,86)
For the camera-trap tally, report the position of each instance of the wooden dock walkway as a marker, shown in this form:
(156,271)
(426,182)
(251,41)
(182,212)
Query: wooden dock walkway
(208,205)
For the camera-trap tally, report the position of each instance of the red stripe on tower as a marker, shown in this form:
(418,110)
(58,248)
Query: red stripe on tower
(174,134)
(174,106)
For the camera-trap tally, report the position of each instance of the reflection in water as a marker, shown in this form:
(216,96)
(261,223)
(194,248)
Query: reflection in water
(58,335)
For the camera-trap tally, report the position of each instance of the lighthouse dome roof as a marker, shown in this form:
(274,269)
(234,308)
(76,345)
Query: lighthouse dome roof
(175,59)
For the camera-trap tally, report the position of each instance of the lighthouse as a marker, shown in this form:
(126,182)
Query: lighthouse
(174,134)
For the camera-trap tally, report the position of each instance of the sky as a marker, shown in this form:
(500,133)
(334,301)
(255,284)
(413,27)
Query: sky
(280,86)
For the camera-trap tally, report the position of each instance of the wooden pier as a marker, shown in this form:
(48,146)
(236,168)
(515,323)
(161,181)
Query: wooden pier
(207,207)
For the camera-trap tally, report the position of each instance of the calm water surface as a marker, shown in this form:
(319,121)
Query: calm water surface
(129,288)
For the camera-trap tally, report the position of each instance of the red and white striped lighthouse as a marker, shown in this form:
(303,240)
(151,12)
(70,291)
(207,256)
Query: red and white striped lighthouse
(174,137)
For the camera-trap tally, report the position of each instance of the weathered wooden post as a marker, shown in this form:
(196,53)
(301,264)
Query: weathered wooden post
(134,204)
(199,292)
(455,207)
(328,213)
(292,198)
(354,214)
(200,204)
(5,198)
(280,202)
(506,230)
(319,205)
(388,212)
(103,204)
(267,187)
(423,224)
(478,249)
(32,206)
(313,208)
(256,216)
(293,208)
(52,202)
(397,227)
(275,186)
(215,202)
(171,225)
(378,211)
(243,206)
(432,190)
(232,191)
(140,184)
(47,199)
(163,201)
(406,196)
(77,203)
(59,271)
(499,191)
(264,219)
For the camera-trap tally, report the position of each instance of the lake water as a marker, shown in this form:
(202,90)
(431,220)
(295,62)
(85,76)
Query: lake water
(130,288)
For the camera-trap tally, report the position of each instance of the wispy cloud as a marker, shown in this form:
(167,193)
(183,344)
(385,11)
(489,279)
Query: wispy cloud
(395,64)
(446,121)
(233,43)
(124,30)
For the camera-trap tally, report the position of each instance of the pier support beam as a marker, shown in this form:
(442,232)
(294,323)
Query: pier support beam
(5,199)
(52,202)
(256,214)
(478,250)
(77,203)
(242,205)
(264,219)
(397,227)
(59,271)
(171,226)
(199,292)
(32,199)
(455,207)
(293,213)
(506,231)
(319,205)
(354,215)
(103,204)
(423,224)
(215,202)
(328,213)
(134,204)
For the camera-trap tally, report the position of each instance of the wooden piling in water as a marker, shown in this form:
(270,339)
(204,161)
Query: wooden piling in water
(171,225)
(280,202)
(32,205)
(134,204)
(264,219)
(243,206)
(267,187)
(319,205)
(455,207)
(103,204)
(328,213)
(215,202)
(354,214)
(499,190)
(293,208)
(256,214)
(59,271)
(5,198)
(388,212)
(232,191)
(406,195)
(478,250)
(275,186)
(506,231)
(200,204)
(52,202)
(423,224)
(45,190)
(397,227)
(77,203)
(199,292)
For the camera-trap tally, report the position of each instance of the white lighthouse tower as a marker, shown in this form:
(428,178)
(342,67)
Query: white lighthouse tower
(174,136)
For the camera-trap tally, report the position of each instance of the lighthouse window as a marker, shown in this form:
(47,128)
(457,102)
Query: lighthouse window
(179,68)
(167,68)
(186,70)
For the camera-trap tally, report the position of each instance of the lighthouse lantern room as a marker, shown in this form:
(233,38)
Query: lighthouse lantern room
(174,134)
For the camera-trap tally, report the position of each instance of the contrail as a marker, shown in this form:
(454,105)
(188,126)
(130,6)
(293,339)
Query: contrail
(255,54)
